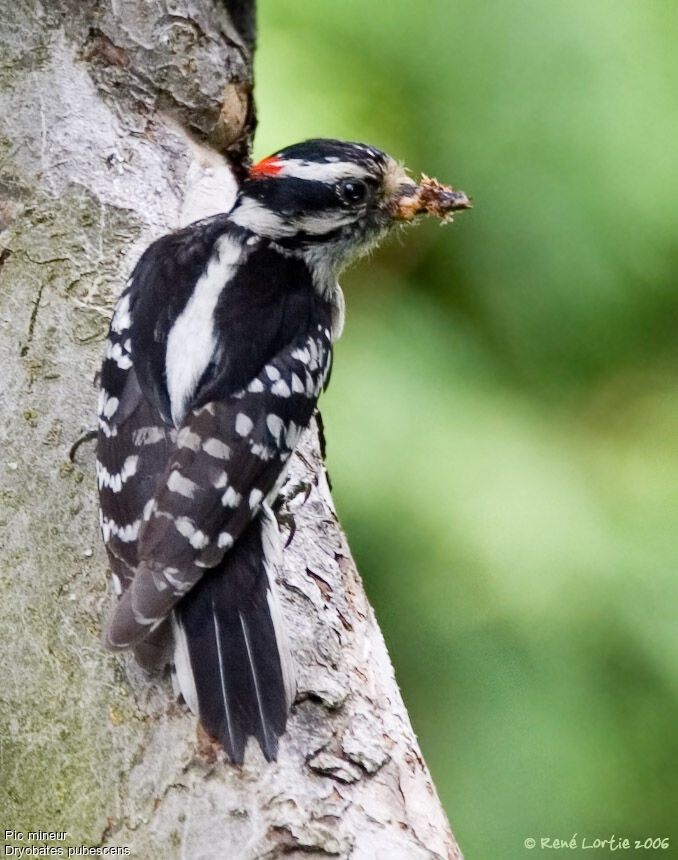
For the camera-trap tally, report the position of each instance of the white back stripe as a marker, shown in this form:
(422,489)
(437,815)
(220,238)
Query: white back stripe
(191,342)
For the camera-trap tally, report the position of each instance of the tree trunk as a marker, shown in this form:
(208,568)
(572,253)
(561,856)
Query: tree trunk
(91,170)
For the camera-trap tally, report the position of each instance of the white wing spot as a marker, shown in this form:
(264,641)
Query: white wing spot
(177,483)
(184,526)
(255,497)
(281,388)
(272,372)
(115,353)
(148,436)
(199,540)
(121,318)
(216,448)
(292,435)
(256,386)
(275,425)
(186,438)
(107,404)
(263,452)
(126,533)
(243,424)
(179,585)
(231,499)
(297,384)
(116,480)
(220,481)
(225,540)
(108,431)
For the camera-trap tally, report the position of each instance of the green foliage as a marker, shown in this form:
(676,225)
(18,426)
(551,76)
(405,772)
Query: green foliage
(503,414)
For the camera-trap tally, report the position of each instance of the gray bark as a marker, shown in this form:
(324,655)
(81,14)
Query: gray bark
(91,171)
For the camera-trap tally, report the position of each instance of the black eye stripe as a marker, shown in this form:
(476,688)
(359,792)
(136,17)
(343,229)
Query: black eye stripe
(293,196)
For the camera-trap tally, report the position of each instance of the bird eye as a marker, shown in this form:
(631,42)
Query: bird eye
(352,190)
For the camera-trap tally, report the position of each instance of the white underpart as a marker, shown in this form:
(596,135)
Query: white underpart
(338,312)
(191,342)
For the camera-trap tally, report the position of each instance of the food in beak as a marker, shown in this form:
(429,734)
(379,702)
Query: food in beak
(429,197)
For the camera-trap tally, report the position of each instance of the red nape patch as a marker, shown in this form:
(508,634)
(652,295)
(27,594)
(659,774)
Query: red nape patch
(270,166)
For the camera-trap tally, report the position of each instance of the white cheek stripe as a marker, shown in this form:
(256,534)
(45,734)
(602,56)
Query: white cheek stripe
(260,219)
(321,223)
(191,342)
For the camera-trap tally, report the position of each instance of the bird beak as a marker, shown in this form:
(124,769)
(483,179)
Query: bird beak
(430,197)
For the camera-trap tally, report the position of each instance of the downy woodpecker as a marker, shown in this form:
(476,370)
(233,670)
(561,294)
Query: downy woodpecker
(218,350)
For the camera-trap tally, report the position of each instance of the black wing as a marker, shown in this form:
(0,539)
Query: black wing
(174,498)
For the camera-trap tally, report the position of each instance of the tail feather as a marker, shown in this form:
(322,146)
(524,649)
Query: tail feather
(231,657)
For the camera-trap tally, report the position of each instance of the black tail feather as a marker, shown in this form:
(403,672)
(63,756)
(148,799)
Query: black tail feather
(236,658)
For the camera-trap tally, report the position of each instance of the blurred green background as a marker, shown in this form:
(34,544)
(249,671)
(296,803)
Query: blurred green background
(503,414)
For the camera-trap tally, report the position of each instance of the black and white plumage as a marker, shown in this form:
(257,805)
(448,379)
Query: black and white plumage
(218,350)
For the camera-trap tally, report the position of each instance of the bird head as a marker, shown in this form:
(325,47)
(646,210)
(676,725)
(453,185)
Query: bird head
(333,200)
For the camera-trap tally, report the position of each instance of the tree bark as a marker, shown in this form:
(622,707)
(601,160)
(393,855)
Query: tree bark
(91,170)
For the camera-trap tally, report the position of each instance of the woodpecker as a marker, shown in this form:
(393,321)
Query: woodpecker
(218,350)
